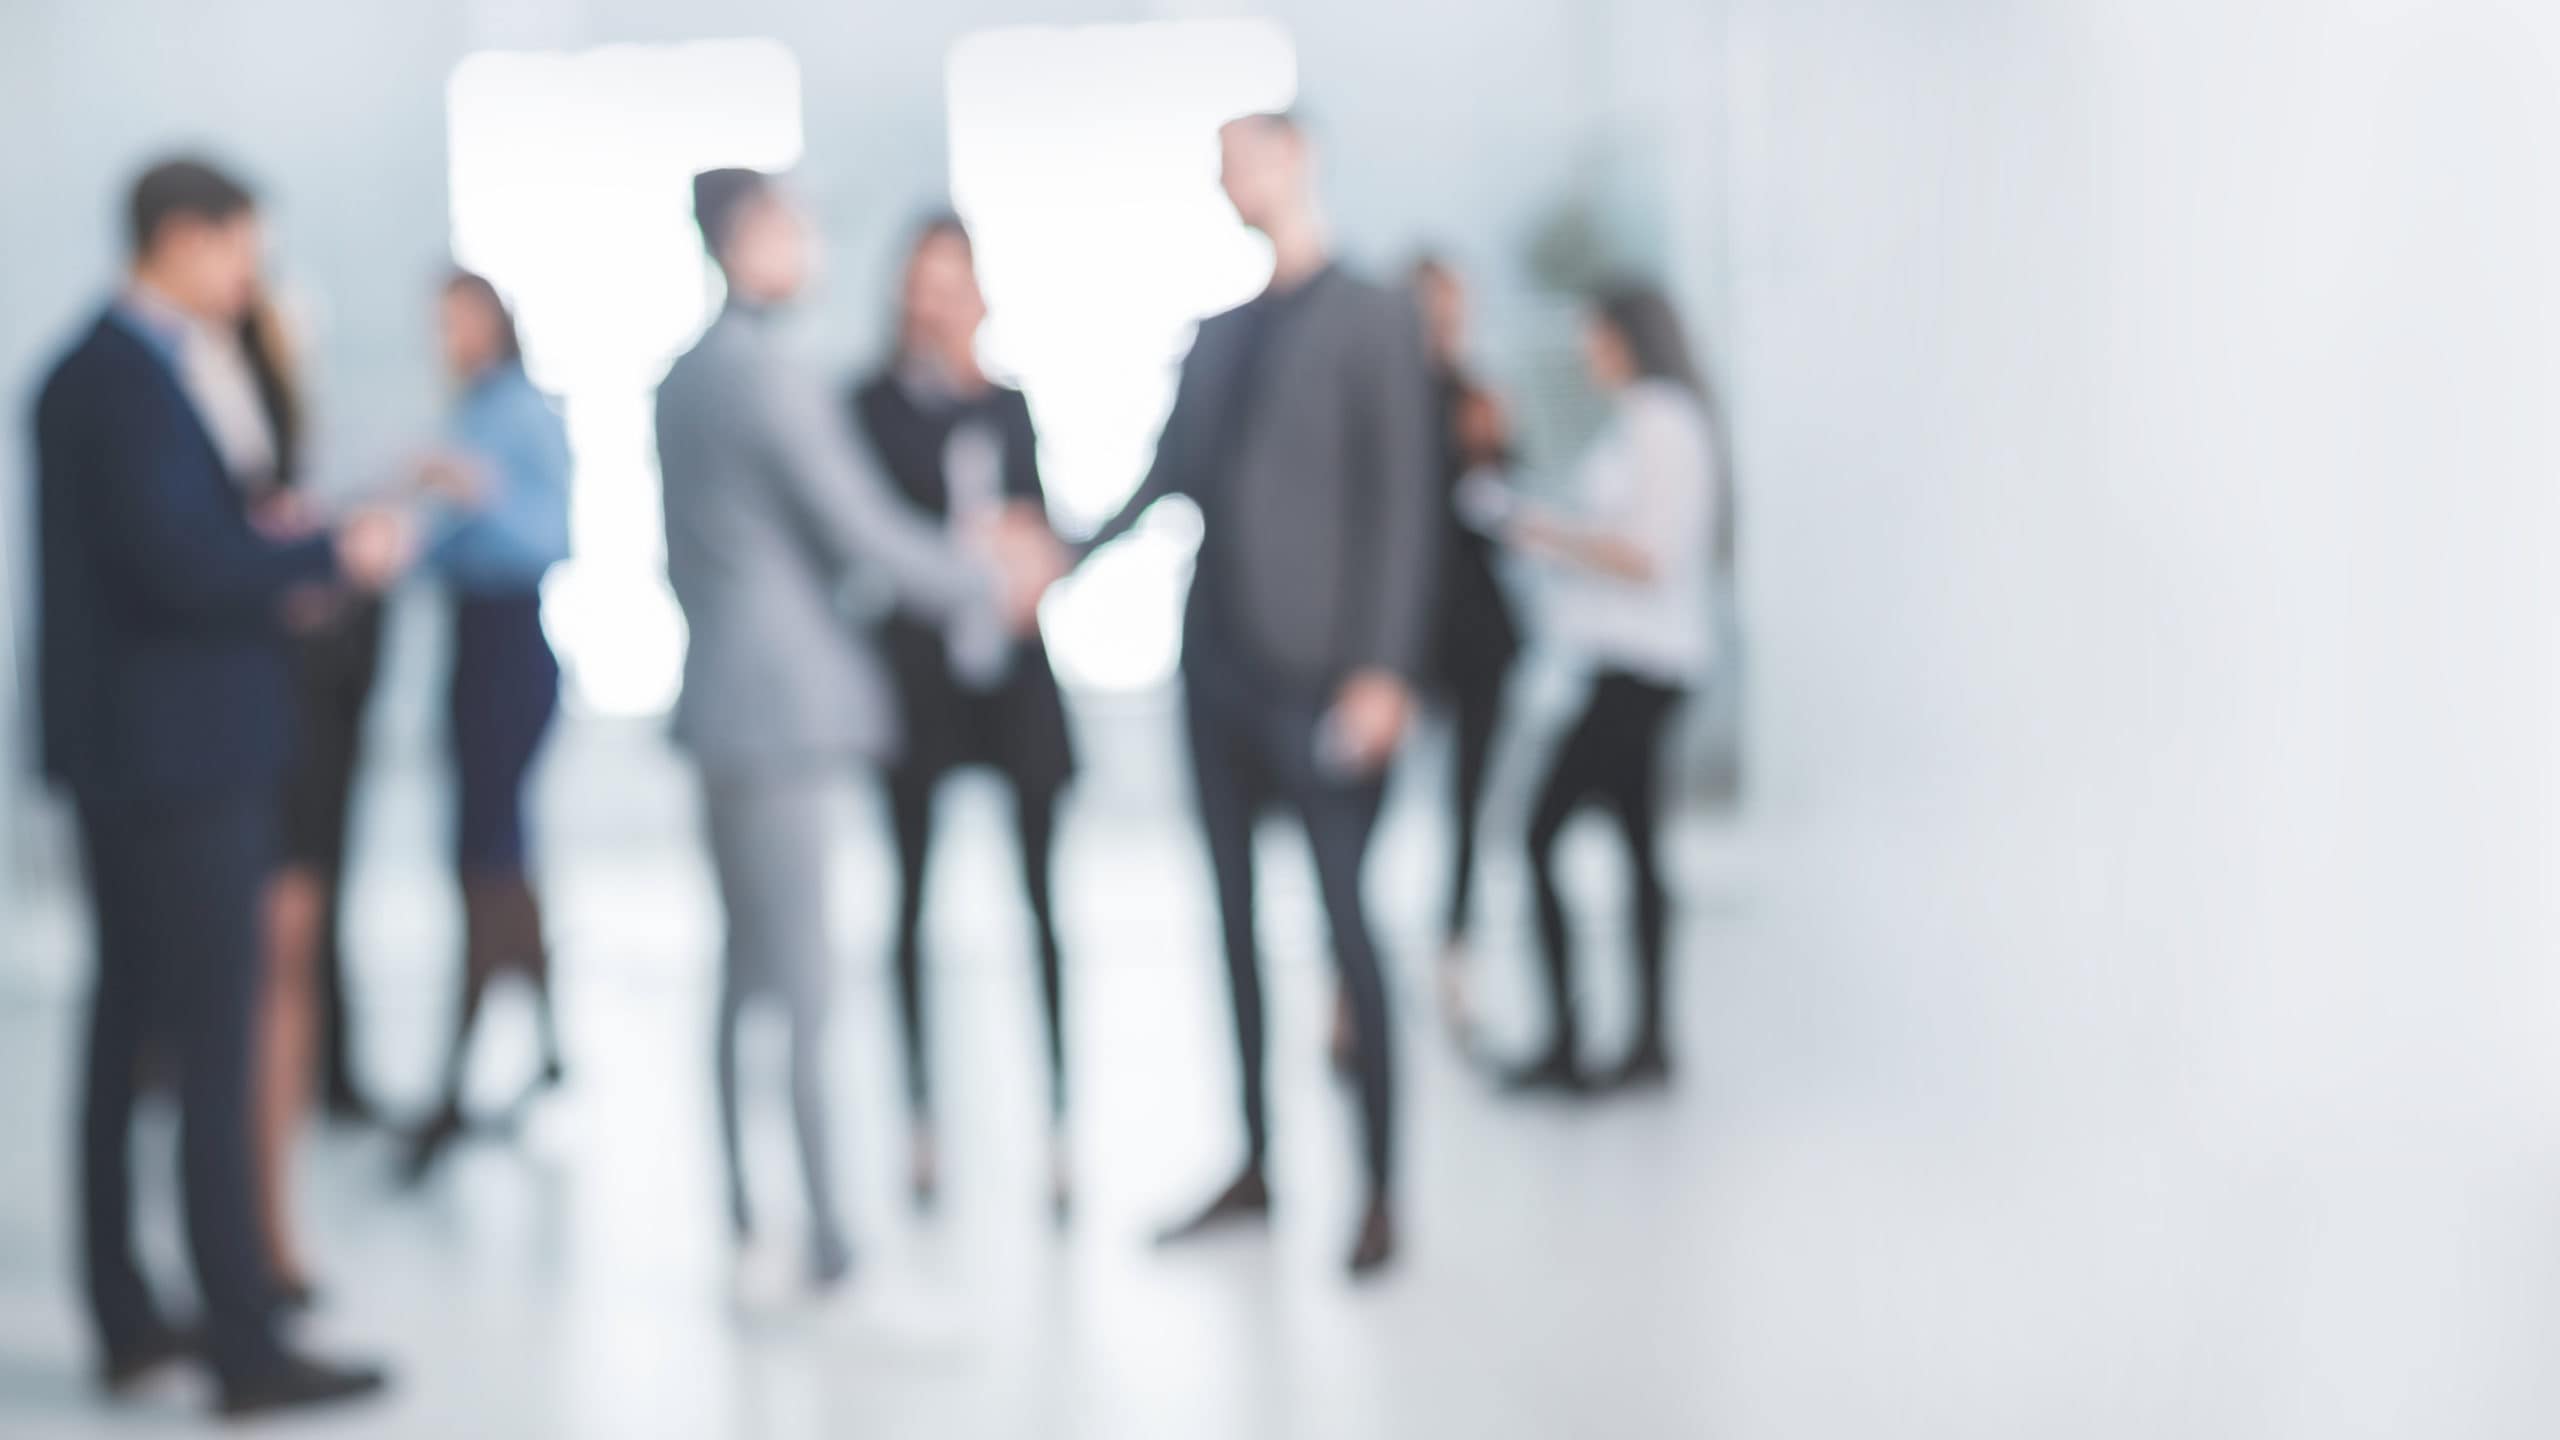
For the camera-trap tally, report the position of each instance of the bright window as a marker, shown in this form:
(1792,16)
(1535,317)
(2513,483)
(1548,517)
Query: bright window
(1085,160)
(571,180)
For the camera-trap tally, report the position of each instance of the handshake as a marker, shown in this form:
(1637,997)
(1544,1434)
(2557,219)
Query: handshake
(1015,541)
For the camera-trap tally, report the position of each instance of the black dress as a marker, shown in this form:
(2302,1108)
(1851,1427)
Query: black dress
(1020,727)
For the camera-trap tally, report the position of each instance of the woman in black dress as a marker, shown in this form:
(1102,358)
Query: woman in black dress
(962,448)
(303,1011)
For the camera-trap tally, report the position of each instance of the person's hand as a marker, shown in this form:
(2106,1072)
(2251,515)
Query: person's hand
(1369,716)
(283,516)
(1028,560)
(454,477)
(375,547)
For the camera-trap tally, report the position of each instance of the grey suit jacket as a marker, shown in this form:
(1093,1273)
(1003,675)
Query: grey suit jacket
(771,508)
(1333,495)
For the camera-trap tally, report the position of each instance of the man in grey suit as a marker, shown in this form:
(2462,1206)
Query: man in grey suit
(770,508)
(1301,428)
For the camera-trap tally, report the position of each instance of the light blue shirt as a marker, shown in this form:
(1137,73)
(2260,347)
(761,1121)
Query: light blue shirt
(522,527)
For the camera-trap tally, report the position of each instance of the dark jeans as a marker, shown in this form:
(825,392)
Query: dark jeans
(1253,743)
(1035,818)
(1613,757)
(174,893)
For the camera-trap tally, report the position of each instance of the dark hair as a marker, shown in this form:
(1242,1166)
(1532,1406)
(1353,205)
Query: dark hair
(720,197)
(1643,317)
(1646,320)
(477,286)
(177,189)
(264,344)
(941,225)
(944,224)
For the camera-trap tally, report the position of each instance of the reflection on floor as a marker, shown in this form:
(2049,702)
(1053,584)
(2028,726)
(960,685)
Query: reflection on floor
(1563,1265)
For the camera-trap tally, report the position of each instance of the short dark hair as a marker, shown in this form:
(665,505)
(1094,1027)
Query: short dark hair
(720,196)
(184,188)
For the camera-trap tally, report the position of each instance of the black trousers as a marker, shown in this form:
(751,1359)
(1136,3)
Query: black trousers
(911,793)
(1612,757)
(1475,703)
(1253,743)
(174,893)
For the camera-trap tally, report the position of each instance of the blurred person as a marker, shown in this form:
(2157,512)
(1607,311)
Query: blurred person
(959,446)
(1633,567)
(770,507)
(1301,428)
(507,524)
(168,710)
(1475,637)
(337,645)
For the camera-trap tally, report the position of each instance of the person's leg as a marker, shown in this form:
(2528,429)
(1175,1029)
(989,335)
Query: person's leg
(911,796)
(1571,778)
(286,1039)
(1035,813)
(207,874)
(1633,787)
(121,1015)
(1340,820)
(1227,776)
(1477,705)
(769,843)
(496,846)
(350,692)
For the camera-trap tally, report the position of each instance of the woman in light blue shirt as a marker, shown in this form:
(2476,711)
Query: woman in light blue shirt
(504,532)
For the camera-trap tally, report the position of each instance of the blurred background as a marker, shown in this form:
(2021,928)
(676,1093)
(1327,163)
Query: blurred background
(2118,875)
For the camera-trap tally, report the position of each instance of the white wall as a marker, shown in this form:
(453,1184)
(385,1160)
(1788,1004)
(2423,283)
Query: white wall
(2146,412)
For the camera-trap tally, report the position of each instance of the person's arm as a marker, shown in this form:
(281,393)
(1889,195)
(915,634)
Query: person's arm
(1667,506)
(848,507)
(1168,474)
(518,522)
(1403,550)
(182,541)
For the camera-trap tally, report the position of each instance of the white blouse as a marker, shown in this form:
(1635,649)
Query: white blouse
(1648,480)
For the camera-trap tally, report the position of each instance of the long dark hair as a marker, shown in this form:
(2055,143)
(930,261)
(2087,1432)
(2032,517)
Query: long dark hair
(477,286)
(936,225)
(269,351)
(1646,320)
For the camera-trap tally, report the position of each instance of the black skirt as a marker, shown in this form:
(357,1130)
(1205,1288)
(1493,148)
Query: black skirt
(1018,729)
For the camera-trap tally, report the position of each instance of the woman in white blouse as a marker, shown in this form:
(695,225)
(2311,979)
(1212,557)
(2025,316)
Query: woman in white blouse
(1632,568)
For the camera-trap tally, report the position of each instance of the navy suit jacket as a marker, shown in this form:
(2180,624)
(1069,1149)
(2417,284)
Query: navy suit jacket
(166,673)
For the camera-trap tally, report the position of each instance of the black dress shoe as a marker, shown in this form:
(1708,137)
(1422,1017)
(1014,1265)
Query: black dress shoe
(294,1383)
(136,1361)
(1556,1073)
(1647,1069)
(1246,1199)
(1377,1244)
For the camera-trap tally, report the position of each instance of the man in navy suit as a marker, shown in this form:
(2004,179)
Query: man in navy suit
(167,717)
